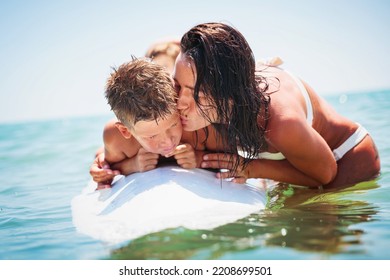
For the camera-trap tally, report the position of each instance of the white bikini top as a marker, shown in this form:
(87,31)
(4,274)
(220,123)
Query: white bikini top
(276,61)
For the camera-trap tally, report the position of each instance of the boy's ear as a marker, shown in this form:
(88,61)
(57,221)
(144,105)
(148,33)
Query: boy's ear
(123,130)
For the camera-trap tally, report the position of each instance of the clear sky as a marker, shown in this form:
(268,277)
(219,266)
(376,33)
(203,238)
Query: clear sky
(55,56)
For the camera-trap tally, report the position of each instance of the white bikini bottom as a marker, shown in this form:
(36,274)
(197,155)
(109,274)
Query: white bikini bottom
(351,142)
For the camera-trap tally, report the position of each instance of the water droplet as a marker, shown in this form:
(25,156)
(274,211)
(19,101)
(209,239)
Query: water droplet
(343,98)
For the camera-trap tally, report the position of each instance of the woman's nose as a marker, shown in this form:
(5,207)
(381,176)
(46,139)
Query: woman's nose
(182,101)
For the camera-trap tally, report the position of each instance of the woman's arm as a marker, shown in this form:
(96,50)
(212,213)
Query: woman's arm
(309,161)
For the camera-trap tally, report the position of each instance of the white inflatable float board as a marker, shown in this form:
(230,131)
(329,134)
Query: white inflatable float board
(166,197)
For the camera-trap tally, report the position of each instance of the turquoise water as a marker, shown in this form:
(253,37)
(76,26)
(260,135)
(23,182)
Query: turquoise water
(43,165)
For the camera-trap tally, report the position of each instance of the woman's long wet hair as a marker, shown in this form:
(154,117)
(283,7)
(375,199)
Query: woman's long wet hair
(225,72)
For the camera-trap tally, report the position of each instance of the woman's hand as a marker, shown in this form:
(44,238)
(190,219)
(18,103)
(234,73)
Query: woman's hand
(101,172)
(227,162)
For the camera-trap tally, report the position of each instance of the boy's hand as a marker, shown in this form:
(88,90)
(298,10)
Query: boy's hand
(101,172)
(184,155)
(145,160)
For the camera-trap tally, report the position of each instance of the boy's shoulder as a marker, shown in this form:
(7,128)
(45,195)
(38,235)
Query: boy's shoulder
(113,136)
(116,146)
(110,129)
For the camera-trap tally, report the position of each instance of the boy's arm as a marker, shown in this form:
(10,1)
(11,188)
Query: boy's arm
(141,161)
(101,172)
(115,149)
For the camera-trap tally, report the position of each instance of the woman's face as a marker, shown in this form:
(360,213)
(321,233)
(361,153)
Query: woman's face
(184,76)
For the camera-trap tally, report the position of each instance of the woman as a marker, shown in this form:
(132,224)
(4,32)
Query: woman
(273,124)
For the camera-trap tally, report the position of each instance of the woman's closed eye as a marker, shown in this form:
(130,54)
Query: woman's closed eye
(177,87)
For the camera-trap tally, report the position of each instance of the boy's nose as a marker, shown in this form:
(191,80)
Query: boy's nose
(167,141)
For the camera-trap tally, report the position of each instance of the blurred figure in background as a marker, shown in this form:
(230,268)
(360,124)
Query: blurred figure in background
(164,53)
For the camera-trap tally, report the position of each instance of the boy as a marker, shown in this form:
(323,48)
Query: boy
(142,96)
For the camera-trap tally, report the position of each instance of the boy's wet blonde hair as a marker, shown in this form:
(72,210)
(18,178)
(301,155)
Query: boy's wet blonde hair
(140,90)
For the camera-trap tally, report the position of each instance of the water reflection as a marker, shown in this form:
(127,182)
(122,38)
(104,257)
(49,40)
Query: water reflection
(318,220)
(324,222)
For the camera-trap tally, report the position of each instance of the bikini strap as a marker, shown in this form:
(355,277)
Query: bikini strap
(309,107)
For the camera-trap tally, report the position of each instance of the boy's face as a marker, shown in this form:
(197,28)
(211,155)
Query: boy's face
(160,137)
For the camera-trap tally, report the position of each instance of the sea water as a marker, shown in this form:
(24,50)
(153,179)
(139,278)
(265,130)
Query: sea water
(44,164)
